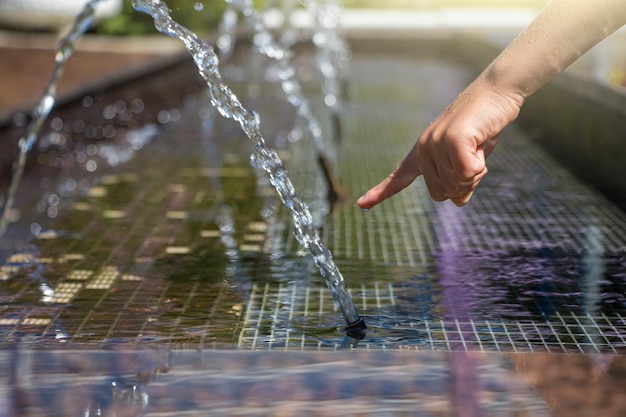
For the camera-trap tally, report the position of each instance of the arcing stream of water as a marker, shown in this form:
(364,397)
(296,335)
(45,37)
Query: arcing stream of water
(263,157)
(266,44)
(64,50)
(332,55)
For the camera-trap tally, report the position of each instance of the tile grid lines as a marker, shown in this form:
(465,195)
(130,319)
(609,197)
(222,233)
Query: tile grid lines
(510,338)
(500,340)
(589,339)
(176,322)
(445,335)
(162,226)
(569,331)
(619,334)
(606,213)
(459,331)
(137,225)
(211,315)
(524,335)
(493,336)
(247,316)
(521,231)
(76,334)
(422,237)
(406,233)
(538,332)
(429,333)
(154,232)
(272,334)
(52,328)
(142,330)
(401,252)
(596,326)
(261,311)
(123,310)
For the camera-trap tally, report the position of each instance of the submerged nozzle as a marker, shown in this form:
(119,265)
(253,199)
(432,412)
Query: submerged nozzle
(357,330)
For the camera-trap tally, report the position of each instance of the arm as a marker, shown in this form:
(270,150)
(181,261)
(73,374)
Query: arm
(451,152)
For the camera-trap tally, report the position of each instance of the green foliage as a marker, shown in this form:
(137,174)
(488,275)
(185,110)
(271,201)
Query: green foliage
(132,22)
(430,4)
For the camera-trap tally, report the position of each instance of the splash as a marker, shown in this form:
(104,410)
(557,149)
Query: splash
(263,157)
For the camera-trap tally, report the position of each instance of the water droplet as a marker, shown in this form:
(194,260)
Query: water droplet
(108,113)
(137,106)
(53,200)
(91,165)
(164,117)
(71,184)
(35,228)
(87,101)
(56,124)
(119,106)
(52,212)
(79,126)
(198,6)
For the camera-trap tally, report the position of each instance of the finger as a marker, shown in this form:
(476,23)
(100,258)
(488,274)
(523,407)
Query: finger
(399,179)
(436,189)
(464,197)
(490,145)
(456,175)
(463,200)
(464,165)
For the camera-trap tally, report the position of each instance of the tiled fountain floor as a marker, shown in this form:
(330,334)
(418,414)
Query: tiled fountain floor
(186,247)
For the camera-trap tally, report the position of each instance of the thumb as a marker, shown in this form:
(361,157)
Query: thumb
(480,166)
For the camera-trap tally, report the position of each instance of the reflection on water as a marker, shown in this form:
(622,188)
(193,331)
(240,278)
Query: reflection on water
(144,382)
(367,383)
(538,285)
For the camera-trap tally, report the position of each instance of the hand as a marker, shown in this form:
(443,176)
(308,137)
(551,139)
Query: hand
(452,152)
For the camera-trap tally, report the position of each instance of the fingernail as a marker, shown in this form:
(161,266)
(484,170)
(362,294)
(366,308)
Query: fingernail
(364,210)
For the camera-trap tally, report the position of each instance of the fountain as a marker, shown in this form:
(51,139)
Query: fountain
(229,106)
(269,47)
(64,51)
(162,286)
(264,158)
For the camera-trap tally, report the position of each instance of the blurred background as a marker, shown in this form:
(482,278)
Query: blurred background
(117,17)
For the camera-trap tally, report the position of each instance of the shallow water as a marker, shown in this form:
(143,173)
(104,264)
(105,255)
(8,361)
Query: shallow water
(185,245)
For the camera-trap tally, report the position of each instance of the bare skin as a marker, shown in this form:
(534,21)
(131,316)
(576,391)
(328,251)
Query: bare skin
(451,153)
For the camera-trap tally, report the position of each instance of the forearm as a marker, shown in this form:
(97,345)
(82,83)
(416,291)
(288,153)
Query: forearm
(561,33)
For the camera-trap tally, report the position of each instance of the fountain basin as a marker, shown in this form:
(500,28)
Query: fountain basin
(437,251)
(184,253)
(309,383)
